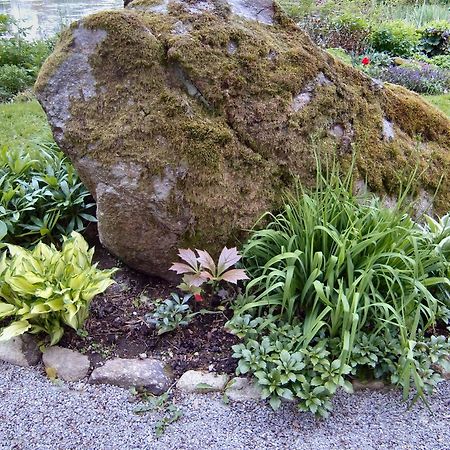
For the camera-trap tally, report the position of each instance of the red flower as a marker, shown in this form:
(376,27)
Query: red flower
(365,61)
(198,297)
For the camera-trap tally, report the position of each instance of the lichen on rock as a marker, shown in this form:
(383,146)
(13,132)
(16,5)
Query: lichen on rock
(188,119)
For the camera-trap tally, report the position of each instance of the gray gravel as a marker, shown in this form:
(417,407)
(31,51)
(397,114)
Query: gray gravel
(38,414)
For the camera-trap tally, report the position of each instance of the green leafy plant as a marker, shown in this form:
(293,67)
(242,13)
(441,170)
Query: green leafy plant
(20,59)
(43,289)
(435,38)
(41,196)
(171,313)
(162,404)
(397,38)
(200,269)
(328,272)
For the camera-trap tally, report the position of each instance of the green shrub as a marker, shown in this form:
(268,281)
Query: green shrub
(20,60)
(41,196)
(435,39)
(4,24)
(43,289)
(340,285)
(397,38)
(13,79)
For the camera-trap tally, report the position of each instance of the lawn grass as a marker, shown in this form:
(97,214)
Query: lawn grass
(23,124)
(440,101)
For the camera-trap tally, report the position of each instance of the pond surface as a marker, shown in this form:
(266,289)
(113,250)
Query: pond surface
(46,17)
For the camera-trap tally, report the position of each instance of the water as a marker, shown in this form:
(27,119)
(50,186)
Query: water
(43,18)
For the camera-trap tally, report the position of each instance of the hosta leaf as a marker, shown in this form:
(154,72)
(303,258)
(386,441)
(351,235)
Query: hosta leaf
(3,230)
(15,329)
(228,257)
(6,309)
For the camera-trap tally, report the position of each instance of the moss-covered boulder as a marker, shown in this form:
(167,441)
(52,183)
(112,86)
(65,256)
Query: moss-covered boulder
(187,119)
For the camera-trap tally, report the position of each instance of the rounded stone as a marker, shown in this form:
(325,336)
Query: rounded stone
(69,365)
(149,374)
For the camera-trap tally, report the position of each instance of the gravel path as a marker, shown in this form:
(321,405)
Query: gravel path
(38,414)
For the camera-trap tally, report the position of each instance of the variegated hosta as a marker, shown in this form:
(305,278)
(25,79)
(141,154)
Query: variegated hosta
(43,289)
(201,268)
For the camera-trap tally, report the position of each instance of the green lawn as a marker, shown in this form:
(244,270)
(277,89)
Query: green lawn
(440,101)
(23,124)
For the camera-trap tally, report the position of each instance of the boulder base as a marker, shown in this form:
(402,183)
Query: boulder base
(188,119)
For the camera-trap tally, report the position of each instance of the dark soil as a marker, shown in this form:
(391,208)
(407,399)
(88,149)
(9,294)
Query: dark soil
(116,326)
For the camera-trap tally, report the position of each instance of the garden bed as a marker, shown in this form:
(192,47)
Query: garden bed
(116,325)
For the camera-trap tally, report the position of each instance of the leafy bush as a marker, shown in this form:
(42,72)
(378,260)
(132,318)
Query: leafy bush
(171,313)
(41,196)
(340,285)
(43,289)
(441,61)
(435,39)
(20,60)
(13,79)
(4,24)
(397,38)
(424,79)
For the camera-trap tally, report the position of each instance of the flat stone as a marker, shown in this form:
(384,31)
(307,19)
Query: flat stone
(21,351)
(149,374)
(242,389)
(200,381)
(68,364)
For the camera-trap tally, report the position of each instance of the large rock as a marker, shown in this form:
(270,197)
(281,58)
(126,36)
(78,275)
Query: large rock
(149,374)
(21,351)
(187,119)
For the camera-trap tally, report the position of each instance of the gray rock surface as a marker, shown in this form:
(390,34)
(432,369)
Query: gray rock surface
(201,381)
(36,414)
(68,364)
(149,374)
(242,389)
(21,351)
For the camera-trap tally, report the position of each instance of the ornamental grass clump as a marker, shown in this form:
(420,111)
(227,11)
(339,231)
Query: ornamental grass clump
(44,289)
(341,287)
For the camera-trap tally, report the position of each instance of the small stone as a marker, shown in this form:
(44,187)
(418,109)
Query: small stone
(68,364)
(21,351)
(372,385)
(241,389)
(143,356)
(199,381)
(149,374)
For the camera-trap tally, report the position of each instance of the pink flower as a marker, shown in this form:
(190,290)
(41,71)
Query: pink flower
(198,297)
(365,61)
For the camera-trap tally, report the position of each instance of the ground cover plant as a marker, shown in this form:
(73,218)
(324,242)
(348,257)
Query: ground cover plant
(43,289)
(341,287)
